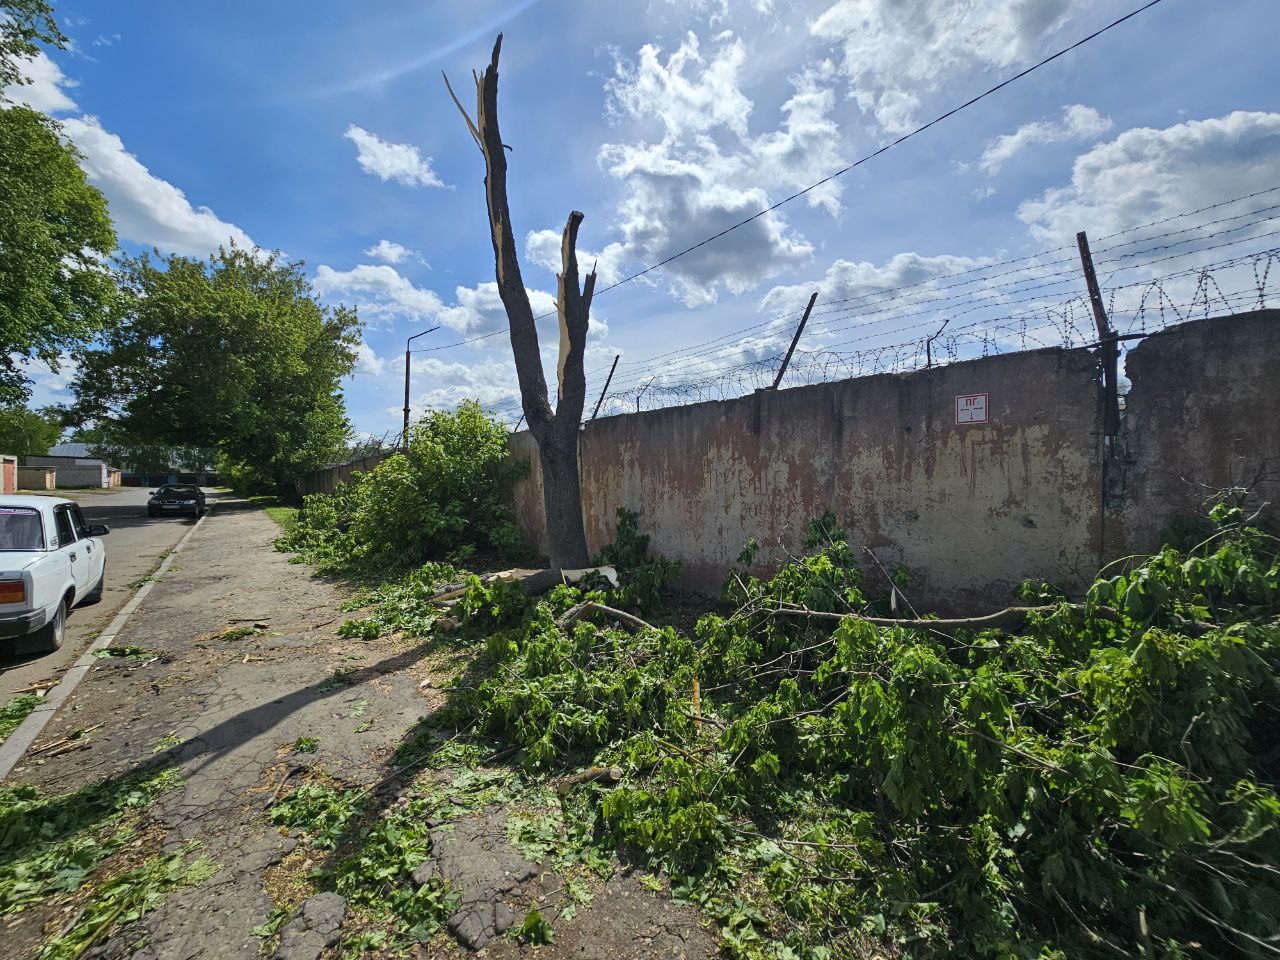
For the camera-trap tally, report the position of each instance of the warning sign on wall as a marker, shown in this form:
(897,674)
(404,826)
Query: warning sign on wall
(971,408)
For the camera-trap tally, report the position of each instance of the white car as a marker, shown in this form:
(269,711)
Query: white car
(50,561)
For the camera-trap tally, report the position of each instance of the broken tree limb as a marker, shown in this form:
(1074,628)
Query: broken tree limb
(588,608)
(1008,617)
(608,775)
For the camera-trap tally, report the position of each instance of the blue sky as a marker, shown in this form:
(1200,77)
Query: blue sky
(324,130)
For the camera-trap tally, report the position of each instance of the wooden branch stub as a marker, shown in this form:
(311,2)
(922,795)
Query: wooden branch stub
(475,134)
(607,775)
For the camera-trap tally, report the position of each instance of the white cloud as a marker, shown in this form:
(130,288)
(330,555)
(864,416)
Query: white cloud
(390,252)
(479,309)
(708,171)
(401,162)
(368,362)
(447,384)
(683,104)
(146,209)
(542,247)
(1078,122)
(48,386)
(893,51)
(379,291)
(46,87)
(1145,174)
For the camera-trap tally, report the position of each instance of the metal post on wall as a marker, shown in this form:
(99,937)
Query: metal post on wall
(607,381)
(794,340)
(1107,340)
(1109,345)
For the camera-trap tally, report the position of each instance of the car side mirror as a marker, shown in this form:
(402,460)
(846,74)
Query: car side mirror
(151,493)
(98,529)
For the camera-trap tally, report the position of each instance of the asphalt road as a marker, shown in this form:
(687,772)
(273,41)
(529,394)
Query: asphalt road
(136,545)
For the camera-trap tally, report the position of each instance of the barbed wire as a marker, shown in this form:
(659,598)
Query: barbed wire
(1140,306)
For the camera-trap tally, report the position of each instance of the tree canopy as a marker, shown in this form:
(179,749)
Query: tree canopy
(23,25)
(54,236)
(28,433)
(232,354)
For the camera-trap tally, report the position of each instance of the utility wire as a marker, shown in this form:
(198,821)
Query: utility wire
(841,172)
(887,147)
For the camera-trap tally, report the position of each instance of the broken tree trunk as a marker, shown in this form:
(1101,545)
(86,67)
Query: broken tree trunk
(556,432)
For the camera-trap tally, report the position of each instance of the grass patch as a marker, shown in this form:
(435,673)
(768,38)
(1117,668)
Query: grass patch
(14,712)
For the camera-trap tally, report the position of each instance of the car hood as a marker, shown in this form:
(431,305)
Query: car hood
(15,561)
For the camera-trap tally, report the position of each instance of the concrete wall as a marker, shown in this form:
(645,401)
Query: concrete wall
(36,478)
(1203,416)
(327,480)
(971,509)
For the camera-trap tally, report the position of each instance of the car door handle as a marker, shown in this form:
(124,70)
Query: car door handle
(73,556)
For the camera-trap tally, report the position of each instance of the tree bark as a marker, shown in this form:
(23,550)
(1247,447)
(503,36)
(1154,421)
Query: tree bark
(556,432)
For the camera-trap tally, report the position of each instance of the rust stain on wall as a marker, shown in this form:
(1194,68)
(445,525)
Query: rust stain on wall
(970,509)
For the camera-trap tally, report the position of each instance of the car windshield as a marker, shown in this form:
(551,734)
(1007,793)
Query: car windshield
(20,529)
(186,491)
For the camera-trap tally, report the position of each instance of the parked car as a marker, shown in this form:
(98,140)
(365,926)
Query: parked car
(176,498)
(50,561)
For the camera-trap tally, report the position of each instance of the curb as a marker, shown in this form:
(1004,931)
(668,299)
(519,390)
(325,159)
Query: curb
(15,745)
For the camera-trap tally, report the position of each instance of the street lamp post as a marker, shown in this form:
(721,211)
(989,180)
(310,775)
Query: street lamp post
(404,439)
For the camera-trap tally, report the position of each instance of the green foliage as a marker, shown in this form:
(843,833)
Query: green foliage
(14,712)
(322,812)
(55,292)
(1102,780)
(448,498)
(403,604)
(534,929)
(25,433)
(154,459)
(279,916)
(127,897)
(24,24)
(257,380)
(643,580)
(53,843)
(306,745)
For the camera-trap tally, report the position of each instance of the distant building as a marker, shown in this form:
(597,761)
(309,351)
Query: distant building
(75,468)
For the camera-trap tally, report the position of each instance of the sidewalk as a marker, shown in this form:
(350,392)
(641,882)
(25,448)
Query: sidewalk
(234,708)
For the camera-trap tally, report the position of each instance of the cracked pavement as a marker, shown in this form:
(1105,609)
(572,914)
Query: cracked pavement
(227,712)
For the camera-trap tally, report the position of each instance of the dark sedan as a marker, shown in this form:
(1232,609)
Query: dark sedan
(177,498)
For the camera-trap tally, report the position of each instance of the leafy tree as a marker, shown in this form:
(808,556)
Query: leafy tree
(233,354)
(54,235)
(23,25)
(54,227)
(448,496)
(141,458)
(28,433)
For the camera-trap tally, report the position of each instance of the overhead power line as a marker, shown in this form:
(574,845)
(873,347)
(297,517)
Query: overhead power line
(841,172)
(884,149)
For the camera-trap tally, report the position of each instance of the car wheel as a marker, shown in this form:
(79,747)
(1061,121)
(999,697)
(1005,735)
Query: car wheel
(49,637)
